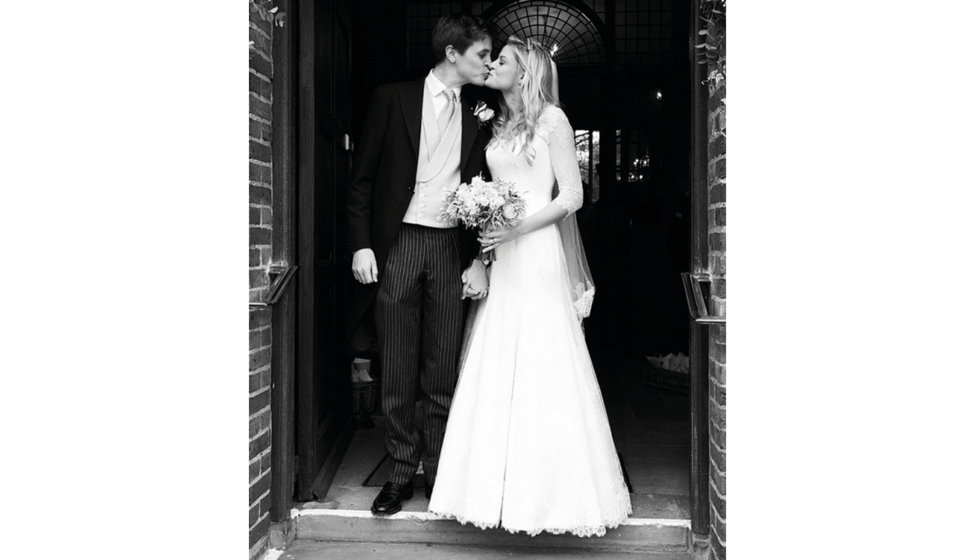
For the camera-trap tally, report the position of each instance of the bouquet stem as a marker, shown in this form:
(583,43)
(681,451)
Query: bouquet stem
(489,256)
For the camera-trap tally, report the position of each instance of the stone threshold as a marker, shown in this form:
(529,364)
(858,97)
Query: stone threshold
(639,534)
(427,516)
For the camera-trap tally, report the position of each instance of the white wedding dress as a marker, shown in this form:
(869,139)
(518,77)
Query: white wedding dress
(528,445)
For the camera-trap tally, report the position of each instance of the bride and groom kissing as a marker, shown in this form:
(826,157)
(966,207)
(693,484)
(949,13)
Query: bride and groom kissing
(514,430)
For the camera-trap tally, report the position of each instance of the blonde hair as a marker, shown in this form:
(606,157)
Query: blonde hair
(538,89)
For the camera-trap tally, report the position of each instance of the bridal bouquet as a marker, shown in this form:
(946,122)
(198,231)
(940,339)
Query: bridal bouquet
(484,206)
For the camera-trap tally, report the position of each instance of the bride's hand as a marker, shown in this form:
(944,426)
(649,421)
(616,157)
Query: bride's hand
(493,239)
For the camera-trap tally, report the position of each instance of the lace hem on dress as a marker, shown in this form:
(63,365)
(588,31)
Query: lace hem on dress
(585,531)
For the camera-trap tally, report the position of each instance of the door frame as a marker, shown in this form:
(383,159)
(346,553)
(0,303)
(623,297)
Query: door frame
(306,179)
(284,251)
(698,162)
(302,469)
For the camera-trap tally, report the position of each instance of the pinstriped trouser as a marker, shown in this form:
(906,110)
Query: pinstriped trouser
(420,314)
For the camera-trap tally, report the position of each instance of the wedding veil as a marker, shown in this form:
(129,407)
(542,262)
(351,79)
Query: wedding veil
(580,280)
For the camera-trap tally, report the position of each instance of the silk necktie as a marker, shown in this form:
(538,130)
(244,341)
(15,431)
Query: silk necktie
(446,114)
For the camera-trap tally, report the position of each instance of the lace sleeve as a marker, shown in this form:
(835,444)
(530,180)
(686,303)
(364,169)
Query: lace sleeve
(561,147)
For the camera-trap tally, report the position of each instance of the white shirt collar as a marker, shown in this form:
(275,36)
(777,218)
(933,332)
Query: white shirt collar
(436,87)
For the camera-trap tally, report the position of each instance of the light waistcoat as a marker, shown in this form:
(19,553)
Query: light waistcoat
(438,167)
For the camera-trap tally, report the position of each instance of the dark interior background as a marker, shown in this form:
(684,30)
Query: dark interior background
(624,84)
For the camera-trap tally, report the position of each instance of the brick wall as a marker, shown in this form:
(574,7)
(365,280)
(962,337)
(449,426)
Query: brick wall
(716,344)
(259,258)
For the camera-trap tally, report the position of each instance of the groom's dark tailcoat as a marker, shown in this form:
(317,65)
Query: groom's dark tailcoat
(383,183)
(383,177)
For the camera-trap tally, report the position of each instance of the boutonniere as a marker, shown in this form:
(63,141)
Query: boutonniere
(483,113)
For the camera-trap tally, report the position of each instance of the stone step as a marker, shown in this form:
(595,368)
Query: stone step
(321,550)
(647,535)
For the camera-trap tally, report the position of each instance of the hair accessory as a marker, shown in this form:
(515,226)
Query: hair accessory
(532,44)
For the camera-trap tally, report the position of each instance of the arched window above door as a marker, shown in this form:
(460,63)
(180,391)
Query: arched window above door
(564,27)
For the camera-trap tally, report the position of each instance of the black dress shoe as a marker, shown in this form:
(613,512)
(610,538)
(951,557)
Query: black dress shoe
(390,498)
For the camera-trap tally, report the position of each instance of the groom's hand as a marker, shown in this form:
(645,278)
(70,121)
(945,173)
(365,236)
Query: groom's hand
(365,267)
(476,284)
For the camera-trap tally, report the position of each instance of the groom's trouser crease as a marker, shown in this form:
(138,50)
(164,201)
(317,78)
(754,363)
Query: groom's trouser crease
(419,316)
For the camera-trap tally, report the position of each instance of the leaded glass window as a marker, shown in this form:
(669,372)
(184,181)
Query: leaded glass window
(572,37)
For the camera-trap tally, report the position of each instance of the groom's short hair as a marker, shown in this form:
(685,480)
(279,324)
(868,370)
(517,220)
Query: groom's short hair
(459,31)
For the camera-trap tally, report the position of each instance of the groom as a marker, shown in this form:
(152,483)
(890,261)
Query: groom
(419,139)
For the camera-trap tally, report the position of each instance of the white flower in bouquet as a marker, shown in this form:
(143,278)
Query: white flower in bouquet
(484,205)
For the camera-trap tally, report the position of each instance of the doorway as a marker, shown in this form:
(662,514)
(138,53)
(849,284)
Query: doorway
(626,81)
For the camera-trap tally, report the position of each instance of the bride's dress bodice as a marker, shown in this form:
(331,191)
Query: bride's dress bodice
(553,151)
(550,161)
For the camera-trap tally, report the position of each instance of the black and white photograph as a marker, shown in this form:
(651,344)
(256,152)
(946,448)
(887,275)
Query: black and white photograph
(485,253)
(487,263)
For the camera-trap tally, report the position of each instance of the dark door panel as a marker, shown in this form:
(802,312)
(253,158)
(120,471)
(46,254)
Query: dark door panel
(323,383)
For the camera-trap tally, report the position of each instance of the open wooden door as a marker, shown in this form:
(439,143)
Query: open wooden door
(323,410)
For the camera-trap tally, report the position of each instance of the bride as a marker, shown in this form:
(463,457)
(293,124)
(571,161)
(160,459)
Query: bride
(528,445)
